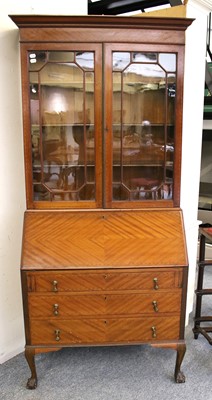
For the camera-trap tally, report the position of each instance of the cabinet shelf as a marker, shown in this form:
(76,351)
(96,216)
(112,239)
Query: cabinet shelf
(116,124)
(92,165)
(71,124)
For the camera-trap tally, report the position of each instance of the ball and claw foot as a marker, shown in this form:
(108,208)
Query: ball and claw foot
(180,377)
(31,383)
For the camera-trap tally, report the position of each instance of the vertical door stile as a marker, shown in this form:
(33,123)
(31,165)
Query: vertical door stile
(107,139)
(98,121)
(178,127)
(26,124)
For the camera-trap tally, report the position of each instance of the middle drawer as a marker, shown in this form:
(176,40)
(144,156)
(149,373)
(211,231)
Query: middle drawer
(102,304)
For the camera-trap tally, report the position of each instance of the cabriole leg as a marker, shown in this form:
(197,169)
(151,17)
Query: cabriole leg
(30,357)
(179,376)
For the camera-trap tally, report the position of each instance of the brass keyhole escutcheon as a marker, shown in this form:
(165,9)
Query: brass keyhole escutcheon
(56,309)
(155,281)
(55,288)
(57,335)
(155,305)
(154,333)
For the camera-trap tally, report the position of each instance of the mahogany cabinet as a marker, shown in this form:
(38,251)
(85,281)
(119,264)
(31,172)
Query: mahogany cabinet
(104,256)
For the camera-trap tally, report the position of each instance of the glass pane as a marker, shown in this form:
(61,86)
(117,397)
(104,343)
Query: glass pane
(37,60)
(62,126)
(143,129)
(35,130)
(120,60)
(117,98)
(145,57)
(61,56)
(144,94)
(168,61)
(89,99)
(171,83)
(85,60)
(89,119)
(41,193)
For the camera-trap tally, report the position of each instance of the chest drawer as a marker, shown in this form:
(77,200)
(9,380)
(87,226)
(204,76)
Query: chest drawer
(104,330)
(62,306)
(78,281)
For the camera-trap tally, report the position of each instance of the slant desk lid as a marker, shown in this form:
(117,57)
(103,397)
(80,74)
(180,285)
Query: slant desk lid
(101,239)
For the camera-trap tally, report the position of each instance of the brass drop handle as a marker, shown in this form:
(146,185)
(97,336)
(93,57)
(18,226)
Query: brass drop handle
(54,288)
(154,333)
(155,305)
(56,309)
(57,335)
(155,281)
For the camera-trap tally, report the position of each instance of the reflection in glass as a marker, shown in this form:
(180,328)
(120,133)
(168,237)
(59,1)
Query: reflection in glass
(144,57)
(61,56)
(37,60)
(62,126)
(120,60)
(143,135)
(171,92)
(85,60)
(168,61)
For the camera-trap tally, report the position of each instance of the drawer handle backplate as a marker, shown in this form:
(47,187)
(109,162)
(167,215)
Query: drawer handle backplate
(56,309)
(155,305)
(57,335)
(155,281)
(154,333)
(54,288)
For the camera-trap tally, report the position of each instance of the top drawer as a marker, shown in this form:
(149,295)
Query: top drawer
(74,281)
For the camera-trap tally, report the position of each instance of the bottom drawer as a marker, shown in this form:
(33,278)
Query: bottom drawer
(107,330)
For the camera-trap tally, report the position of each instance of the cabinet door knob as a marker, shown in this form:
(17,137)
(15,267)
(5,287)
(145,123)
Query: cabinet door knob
(54,288)
(57,335)
(155,281)
(56,309)
(155,305)
(154,333)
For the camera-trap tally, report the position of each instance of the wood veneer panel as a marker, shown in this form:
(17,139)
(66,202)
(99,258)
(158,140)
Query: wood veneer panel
(104,330)
(73,35)
(103,304)
(100,238)
(89,281)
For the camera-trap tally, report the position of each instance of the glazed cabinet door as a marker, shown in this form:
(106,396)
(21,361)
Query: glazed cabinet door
(62,86)
(143,123)
(122,152)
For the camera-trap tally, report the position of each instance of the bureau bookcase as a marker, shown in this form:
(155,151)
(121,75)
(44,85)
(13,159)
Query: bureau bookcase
(104,258)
